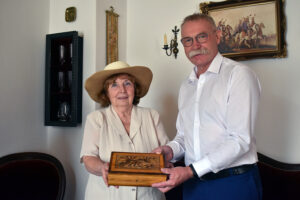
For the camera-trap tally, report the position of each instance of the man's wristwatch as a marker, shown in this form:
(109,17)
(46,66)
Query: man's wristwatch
(194,171)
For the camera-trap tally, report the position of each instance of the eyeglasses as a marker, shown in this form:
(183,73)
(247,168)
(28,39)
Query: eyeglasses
(200,38)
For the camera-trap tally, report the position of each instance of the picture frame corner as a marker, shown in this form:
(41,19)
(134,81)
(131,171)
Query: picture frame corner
(264,49)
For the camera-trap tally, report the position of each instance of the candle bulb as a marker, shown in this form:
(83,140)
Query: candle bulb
(165,40)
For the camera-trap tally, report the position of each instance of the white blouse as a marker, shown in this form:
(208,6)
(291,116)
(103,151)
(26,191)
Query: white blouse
(104,133)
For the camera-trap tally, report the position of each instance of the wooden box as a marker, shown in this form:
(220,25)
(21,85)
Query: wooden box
(135,169)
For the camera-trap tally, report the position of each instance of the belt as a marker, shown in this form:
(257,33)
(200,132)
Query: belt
(227,172)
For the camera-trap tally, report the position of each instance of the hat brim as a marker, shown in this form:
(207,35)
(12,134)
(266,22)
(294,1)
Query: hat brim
(95,83)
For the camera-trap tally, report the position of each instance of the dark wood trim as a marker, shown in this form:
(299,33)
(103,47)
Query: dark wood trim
(38,156)
(277,164)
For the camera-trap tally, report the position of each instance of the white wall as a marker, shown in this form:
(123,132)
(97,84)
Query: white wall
(65,143)
(23,26)
(278,118)
(147,22)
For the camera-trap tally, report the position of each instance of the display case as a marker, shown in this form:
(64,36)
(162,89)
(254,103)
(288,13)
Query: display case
(63,82)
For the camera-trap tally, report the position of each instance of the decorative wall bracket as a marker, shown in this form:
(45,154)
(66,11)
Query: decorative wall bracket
(173,43)
(70,14)
(111,36)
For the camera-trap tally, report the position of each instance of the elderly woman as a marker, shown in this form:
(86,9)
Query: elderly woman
(119,126)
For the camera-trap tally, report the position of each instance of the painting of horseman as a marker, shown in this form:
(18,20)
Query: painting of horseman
(249,28)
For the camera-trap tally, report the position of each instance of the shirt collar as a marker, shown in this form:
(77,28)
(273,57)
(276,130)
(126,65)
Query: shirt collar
(213,68)
(216,64)
(192,77)
(115,120)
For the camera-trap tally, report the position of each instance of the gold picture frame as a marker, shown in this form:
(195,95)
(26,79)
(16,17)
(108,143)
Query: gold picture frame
(250,28)
(111,36)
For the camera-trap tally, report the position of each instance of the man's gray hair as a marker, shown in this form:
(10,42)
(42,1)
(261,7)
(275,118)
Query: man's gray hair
(199,16)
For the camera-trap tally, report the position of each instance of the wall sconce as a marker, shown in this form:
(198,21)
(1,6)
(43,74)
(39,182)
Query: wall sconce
(173,44)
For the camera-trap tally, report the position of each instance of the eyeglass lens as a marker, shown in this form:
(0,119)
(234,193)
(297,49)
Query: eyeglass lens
(200,38)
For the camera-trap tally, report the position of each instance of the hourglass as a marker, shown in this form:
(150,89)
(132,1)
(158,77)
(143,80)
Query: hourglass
(71,52)
(63,113)
(61,81)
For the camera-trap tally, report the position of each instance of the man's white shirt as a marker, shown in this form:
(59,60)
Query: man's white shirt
(215,123)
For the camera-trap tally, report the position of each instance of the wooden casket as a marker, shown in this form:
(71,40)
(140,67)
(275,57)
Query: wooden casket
(135,169)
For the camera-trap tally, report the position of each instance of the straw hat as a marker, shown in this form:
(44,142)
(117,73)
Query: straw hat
(95,83)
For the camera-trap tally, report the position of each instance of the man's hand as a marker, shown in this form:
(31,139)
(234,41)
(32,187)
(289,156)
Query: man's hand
(177,175)
(167,152)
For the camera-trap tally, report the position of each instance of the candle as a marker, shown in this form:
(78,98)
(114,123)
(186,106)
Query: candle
(165,40)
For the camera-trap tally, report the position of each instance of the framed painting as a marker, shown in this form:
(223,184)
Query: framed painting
(250,28)
(111,36)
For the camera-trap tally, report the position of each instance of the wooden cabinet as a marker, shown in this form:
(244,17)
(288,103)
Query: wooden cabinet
(63,81)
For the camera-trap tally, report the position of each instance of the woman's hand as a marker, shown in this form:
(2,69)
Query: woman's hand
(104,172)
(98,167)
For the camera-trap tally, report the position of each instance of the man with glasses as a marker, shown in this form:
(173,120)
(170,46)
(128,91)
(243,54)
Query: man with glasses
(217,105)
